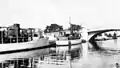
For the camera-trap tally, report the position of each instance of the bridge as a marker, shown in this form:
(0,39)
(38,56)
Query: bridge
(93,34)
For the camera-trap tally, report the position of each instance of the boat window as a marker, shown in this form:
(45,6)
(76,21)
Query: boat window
(35,35)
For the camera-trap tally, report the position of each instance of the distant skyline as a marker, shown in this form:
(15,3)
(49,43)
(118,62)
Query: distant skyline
(40,13)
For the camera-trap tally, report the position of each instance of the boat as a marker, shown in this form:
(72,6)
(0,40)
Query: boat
(71,38)
(68,42)
(63,43)
(22,46)
(76,36)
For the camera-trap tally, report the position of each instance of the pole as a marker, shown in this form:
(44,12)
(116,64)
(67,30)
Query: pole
(17,64)
(17,35)
(33,32)
(2,64)
(2,37)
(69,47)
(30,63)
(70,25)
(10,39)
(33,64)
(70,53)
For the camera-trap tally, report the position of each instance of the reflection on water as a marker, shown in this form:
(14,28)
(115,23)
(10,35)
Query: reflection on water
(110,44)
(56,56)
(59,56)
(111,55)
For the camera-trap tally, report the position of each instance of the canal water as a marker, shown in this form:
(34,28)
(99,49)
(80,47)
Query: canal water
(95,59)
(111,44)
(105,58)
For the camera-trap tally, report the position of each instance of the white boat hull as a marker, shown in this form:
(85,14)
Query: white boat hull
(23,50)
(66,42)
(66,48)
(26,54)
(24,45)
(63,45)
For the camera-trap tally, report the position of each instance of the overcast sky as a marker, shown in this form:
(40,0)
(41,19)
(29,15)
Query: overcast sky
(39,13)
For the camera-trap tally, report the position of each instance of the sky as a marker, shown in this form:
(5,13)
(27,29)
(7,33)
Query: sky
(93,14)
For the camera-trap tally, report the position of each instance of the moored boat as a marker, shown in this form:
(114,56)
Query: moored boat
(73,39)
(21,44)
(67,42)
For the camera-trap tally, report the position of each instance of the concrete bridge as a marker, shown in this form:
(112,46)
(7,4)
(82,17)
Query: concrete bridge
(95,33)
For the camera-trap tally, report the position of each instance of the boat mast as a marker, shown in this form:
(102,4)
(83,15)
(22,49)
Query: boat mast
(71,30)
(70,22)
(69,43)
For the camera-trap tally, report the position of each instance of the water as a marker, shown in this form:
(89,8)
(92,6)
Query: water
(94,59)
(112,44)
(107,58)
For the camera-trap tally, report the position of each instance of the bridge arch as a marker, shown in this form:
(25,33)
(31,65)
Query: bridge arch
(92,38)
(103,31)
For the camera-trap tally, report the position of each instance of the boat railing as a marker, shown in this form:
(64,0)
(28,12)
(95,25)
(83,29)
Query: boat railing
(15,40)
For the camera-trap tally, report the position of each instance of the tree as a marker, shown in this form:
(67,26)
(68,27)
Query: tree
(53,28)
(74,27)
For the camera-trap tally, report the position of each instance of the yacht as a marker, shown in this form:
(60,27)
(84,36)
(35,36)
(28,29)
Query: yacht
(73,39)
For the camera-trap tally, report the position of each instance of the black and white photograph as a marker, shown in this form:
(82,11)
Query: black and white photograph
(59,33)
